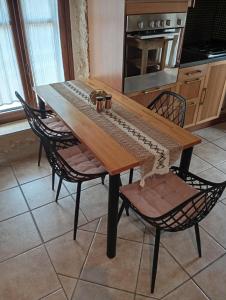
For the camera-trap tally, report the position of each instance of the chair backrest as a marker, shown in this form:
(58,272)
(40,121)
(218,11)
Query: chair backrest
(29,111)
(170,106)
(34,116)
(192,210)
(60,166)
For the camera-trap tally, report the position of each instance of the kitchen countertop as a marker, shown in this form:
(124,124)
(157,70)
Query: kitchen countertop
(202,62)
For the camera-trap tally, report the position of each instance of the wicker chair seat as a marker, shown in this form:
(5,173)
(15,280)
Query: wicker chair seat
(161,194)
(81,160)
(56,124)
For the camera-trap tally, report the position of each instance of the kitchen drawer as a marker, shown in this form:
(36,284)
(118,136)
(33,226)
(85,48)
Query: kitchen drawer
(190,89)
(192,72)
(137,7)
(146,97)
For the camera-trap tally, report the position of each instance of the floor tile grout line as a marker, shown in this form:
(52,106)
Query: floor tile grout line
(204,292)
(200,269)
(91,244)
(174,289)
(81,270)
(55,270)
(99,233)
(22,253)
(10,188)
(17,215)
(224,247)
(138,271)
(108,286)
(30,212)
(50,294)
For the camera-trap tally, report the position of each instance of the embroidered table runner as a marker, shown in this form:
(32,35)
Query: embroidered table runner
(157,150)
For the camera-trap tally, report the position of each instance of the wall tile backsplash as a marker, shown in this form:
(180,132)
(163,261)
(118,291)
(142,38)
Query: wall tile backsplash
(206,21)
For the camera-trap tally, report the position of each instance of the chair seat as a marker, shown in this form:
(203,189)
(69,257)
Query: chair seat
(160,194)
(56,124)
(81,160)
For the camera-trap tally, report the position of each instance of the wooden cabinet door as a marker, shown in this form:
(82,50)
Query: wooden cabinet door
(191,113)
(190,86)
(213,92)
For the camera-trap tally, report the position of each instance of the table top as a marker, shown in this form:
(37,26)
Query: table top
(111,154)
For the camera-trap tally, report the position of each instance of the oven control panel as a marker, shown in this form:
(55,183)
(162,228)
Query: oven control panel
(155,21)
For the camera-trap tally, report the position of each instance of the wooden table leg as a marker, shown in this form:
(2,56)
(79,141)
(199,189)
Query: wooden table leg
(186,158)
(113,199)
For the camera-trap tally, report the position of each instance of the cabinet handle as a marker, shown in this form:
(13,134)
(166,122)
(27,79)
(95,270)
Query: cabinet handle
(150,91)
(191,103)
(191,81)
(203,96)
(193,72)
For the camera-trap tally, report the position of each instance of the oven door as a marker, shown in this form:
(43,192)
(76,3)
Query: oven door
(153,57)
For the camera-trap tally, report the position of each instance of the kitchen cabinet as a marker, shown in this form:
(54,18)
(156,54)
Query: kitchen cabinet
(190,85)
(107,28)
(213,92)
(204,88)
(134,7)
(146,97)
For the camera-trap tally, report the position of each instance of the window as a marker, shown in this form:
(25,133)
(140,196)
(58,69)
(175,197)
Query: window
(43,40)
(9,71)
(31,35)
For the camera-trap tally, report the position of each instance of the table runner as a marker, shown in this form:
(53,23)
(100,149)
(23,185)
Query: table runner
(157,150)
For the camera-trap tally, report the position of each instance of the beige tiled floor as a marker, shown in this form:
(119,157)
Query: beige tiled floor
(40,260)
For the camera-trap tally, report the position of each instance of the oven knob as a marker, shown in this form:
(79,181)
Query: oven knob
(152,24)
(168,22)
(179,22)
(157,23)
(140,24)
(162,23)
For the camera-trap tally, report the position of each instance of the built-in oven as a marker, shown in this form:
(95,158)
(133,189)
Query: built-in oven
(153,46)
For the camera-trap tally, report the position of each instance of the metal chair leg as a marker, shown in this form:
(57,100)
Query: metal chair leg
(59,188)
(121,211)
(40,153)
(53,179)
(130,176)
(155,259)
(197,233)
(127,209)
(102,179)
(77,204)
(130,181)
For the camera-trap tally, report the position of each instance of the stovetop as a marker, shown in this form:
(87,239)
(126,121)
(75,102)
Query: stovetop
(204,50)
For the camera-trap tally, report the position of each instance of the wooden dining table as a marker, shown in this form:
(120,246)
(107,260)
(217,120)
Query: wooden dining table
(115,158)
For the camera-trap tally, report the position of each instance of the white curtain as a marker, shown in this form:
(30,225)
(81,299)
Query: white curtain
(43,39)
(9,72)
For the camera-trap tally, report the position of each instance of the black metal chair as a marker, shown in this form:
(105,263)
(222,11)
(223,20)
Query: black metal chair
(172,202)
(171,106)
(73,164)
(49,122)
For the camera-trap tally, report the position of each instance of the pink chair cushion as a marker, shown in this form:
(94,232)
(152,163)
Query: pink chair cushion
(56,124)
(160,194)
(81,160)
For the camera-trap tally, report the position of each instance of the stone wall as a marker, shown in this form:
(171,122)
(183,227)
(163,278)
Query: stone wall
(78,14)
